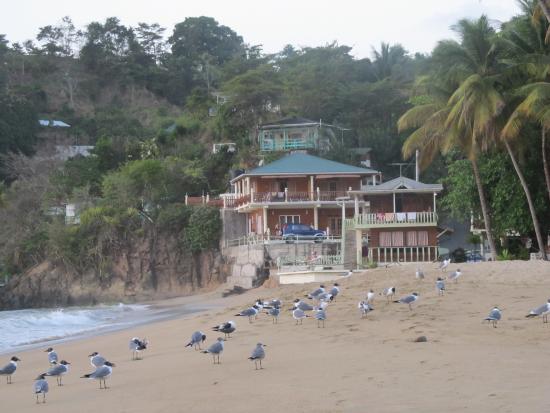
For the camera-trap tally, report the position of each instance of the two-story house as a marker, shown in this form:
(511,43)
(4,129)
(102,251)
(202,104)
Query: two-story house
(397,221)
(297,188)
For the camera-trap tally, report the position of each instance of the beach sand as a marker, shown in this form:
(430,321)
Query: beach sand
(352,365)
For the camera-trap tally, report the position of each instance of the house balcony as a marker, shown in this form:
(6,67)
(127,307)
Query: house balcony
(392,220)
(283,199)
(270,145)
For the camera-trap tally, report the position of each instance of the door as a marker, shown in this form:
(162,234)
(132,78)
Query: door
(335,225)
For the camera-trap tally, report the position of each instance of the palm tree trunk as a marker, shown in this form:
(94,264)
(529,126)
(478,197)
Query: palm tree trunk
(529,199)
(545,7)
(484,210)
(545,161)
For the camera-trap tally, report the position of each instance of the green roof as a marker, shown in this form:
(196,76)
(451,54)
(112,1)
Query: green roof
(302,163)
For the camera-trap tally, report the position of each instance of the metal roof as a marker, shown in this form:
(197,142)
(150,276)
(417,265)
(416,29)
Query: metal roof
(305,164)
(401,184)
(289,123)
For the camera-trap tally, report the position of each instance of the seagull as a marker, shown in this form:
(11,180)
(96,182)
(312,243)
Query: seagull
(419,274)
(197,338)
(249,312)
(102,373)
(440,286)
(454,275)
(299,315)
(136,345)
(58,371)
(320,316)
(370,296)
(52,355)
(364,308)
(275,303)
(409,299)
(227,328)
(302,306)
(315,293)
(542,310)
(9,369)
(444,264)
(389,293)
(215,349)
(274,312)
(494,316)
(322,305)
(96,360)
(41,387)
(258,354)
(334,291)
(325,297)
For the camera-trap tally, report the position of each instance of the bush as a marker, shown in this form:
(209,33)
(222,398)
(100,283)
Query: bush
(203,231)
(173,217)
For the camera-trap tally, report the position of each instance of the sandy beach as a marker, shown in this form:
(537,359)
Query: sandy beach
(352,365)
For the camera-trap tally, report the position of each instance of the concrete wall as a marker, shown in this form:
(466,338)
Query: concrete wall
(234,225)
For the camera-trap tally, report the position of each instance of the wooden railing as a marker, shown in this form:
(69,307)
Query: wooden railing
(237,200)
(392,219)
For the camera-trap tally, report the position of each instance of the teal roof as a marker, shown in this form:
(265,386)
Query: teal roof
(302,163)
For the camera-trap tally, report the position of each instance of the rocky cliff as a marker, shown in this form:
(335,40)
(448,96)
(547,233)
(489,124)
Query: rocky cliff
(143,270)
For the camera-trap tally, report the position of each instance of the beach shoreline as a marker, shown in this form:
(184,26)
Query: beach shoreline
(352,365)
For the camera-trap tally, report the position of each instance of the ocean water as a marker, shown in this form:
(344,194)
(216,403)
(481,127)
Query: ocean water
(24,328)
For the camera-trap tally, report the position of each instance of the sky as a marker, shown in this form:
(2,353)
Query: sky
(361,24)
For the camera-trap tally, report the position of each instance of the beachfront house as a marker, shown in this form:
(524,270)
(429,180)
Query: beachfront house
(395,221)
(297,188)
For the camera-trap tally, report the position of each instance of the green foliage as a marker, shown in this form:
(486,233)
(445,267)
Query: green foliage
(474,239)
(204,229)
(504,255)
(173,217)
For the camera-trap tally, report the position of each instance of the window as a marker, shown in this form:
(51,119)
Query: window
(397,239)
(412,239)
(335,225)
(332,186)
(289,219)
(423,238)
(385,239)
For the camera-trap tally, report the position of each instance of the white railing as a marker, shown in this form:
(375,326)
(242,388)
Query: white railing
(311,262)
(236,200)
(402,254)
(392,219)
(257,239)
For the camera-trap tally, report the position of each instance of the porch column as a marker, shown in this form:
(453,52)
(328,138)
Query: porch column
(358,248)
(394,202)
(311,188)
(315,217)
(266,227)
(435,204)
(356,199)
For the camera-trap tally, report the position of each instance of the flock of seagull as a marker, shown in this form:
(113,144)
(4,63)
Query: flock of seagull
(301,310)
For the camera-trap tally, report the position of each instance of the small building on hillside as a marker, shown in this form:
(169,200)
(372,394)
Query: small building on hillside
(395,221)
(293,134)
(298,188)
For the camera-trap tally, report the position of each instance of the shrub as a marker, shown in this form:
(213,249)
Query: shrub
(203,230)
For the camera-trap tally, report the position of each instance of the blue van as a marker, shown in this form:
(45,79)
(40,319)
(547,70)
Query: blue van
(293,232)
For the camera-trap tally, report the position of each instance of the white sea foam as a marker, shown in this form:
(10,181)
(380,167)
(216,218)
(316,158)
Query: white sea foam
(22,327)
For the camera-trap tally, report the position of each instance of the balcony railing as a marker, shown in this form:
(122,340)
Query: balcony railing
(237,200)
(381,219)
(310,262)
(385,255)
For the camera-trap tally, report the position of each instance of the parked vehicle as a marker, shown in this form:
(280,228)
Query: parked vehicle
(293,232)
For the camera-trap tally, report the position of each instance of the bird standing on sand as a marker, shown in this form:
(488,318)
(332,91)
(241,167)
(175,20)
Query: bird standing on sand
(96,359)
(313,295)
(258,354)
(136,345)
(52,355)
(58,371)
(274,313)
(226,328)
(320,316)
(389,293)
(299,315)
(370,296)
(419,274)
(440,286)
(215,349)
(9,369)
(409,299)
(494,316)
(364,307)
(249,312)
(444,264)
(542,310)
(454,275)
(197,338)
(334,291)
(102,373)
(40,386)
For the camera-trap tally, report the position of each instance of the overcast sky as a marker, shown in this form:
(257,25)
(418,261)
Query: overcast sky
(416,24)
